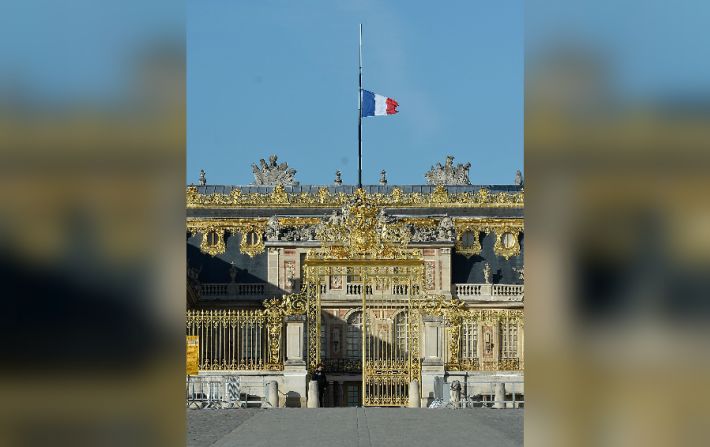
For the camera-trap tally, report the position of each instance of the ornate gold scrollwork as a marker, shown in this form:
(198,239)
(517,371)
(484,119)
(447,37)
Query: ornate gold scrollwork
(507,232)
(252,242)
(439,197)
(213,241)
(454,312)
(507,242)
(468,248)
(251,230)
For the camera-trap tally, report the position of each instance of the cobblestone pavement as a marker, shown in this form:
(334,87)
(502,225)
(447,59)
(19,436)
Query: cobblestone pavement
(355,427)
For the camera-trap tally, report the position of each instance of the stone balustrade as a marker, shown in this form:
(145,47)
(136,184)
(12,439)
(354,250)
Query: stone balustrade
(508,292)
(217,290)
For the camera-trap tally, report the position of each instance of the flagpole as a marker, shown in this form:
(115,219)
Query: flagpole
(359,118)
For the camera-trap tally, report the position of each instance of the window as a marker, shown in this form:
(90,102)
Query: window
(212,239)
(353,346)
(509,340)
(468,239)
(508,239)
(469,339)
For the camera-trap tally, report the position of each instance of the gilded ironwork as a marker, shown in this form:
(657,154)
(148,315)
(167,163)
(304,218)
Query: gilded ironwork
(439,198)
(252,234)
(362,231)
(501,227)
(211,246)
(454,313)
(233,340)
(474,246)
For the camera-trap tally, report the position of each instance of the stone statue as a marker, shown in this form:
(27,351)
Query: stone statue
(448,174)
(487,273)
(521,273)
(272,229)
(338,180)
(193,272)
(446,229)
(203,178)
(273,174)
(383,177)
(518,178)
(233,272)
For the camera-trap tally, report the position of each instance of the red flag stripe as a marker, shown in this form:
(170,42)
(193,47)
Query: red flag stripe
(392,106)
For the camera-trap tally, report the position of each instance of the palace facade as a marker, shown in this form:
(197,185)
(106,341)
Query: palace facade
(388,286)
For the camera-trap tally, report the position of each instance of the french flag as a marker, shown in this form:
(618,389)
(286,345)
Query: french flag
(376,105)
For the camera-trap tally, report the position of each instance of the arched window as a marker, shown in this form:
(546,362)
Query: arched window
(353,345)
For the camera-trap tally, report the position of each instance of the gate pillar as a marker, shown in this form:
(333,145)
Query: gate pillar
(433,363)
(295,366)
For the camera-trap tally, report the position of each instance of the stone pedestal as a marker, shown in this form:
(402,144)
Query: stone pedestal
(294,366)
(313,401)
(499,391)
(294,339)
(272,395)
(295,383)
(414,397)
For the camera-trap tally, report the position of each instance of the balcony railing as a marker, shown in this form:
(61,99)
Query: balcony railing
(490,290)
(216,290)
(396,289)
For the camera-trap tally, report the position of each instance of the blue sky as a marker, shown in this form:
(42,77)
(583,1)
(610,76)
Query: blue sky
(281,77)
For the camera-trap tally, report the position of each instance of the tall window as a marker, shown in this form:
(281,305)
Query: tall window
(400,333)
(509,340)
(353,346)
(469,339)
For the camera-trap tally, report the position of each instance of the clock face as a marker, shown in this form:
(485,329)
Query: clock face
(508,240)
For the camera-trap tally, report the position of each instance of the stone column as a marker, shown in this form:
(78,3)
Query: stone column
(433,364)
(414,397)
(499,395)
(273,267)
(313,401)
(295,366)
(272,397)
(445,257)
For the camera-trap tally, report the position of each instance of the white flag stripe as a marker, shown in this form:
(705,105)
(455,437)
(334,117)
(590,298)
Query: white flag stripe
(380,105)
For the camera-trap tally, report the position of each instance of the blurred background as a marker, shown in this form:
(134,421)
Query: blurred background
(92,177)
(92,136)
(617,152)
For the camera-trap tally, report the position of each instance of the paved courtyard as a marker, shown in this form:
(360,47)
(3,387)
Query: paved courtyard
(354,427)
